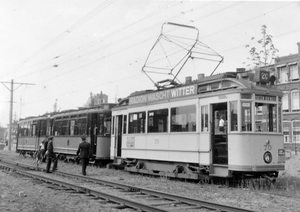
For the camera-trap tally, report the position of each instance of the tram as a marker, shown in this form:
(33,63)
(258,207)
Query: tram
(31,132)
(68,127)
(94,123)
(175,131)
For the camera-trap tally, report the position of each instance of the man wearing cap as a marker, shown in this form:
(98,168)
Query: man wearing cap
(84,153)
(51,157)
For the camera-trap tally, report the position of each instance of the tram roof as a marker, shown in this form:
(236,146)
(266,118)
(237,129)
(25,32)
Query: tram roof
(99,108)
(228,80)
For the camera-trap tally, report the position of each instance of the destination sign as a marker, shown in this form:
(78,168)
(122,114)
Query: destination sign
(164,95)
(266,98)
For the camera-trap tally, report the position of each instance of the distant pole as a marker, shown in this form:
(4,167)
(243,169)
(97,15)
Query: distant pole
(11,107)
(10,113)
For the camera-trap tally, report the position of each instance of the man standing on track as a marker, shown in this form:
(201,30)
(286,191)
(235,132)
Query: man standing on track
(84,151)
(51,157)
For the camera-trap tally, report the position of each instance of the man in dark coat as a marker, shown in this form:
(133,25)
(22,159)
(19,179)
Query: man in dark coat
(84,154)
(45,142)
(51,157)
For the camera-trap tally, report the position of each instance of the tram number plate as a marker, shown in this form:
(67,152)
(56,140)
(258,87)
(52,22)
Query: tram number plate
(268,147)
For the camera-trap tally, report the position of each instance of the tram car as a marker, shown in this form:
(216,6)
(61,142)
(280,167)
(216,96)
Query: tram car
(68,127)
(226,126)
(31,132)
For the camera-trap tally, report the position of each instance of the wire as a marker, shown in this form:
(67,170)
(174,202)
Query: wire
(67,32)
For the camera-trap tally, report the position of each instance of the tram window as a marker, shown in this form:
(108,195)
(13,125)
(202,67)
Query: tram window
(202,89)
(158,121)
(233,116)
(57,127)
(266,117)
(214,86)
(113,126)
(246,96)
(105,129)
(81,126)
(183,119)
(279,118)
(26,129)
(246,116)
(124,124)
(137,122)
(72,127)
(43,128)
(33,130)
(64,127)
(204,118)
(99,129)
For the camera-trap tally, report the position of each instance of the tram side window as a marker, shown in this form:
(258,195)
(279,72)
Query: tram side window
(204,118)
(43,128)
(246,116)
(137,122)
(57,127)
(265,117)
(106,125)
(100,129)
(64,127)
(72,127)
(33,130)
(23,130)
(113,125)
(124,124)
(81,126)
(233,116)
(183,119)
(158,121)
(279,118)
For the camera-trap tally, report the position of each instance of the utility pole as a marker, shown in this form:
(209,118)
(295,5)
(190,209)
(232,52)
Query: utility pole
(11,106)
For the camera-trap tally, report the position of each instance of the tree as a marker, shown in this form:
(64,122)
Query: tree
(266,53)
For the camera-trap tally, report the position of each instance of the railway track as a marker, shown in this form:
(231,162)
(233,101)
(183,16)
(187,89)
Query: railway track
(124,196)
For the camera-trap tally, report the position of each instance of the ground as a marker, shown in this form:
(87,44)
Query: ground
(24,194)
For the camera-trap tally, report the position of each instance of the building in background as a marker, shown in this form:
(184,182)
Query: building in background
(287,70)
(96,99)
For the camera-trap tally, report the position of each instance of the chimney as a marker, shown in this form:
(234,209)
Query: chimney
(298,48)
(188,80)
(200,76)
(240,70)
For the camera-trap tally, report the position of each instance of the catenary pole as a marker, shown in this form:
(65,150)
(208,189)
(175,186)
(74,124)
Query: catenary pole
(11,107)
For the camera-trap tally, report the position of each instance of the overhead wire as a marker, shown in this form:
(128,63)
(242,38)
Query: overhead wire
(237,24)
(107,36)
(67,31)
(219,10)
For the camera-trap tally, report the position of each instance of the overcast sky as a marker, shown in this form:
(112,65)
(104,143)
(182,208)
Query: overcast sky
(71,48)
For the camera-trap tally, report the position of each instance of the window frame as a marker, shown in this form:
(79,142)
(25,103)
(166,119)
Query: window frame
(177,118)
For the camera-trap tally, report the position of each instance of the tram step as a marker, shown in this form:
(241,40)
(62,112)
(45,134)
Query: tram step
(219,171)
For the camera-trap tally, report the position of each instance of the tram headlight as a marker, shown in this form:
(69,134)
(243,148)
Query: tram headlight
(268,157)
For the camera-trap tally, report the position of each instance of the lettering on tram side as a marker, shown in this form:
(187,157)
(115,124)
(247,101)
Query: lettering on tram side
(267,98)
(164,95)
(130,142)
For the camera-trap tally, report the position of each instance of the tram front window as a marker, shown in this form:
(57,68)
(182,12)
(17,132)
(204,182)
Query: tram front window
(246,116)
(265,117)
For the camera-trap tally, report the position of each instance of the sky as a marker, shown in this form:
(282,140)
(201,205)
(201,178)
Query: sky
(61,51)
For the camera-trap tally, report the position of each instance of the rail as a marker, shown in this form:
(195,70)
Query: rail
(171,201)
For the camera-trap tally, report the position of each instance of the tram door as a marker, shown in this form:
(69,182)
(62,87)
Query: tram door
(93,133)
(118,134)
(219,136)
